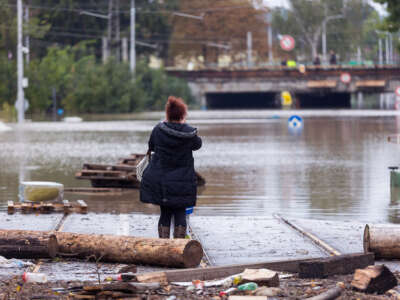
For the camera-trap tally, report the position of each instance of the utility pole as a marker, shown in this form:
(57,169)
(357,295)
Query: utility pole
(133,49)
(269,21)
(117,31)
(26,19)
(124,49)
(105,49)
(249,50)
(109,28)
(387,49)
(20,67)
(380,54)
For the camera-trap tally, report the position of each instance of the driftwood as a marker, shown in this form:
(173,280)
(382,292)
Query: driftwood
(383,240)
(335,265)
(210,273)
(21,244)
(374,279)
(330,294)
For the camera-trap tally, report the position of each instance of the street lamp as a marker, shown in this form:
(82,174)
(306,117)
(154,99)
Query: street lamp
(324,22)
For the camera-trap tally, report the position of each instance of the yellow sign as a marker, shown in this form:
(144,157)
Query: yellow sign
(286,98)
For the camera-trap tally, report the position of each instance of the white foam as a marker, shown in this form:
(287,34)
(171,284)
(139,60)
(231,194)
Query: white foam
(4,127)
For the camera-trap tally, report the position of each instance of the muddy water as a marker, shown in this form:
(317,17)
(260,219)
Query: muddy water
(336,168)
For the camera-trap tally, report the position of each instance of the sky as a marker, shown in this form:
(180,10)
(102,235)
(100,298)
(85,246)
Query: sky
(379,7)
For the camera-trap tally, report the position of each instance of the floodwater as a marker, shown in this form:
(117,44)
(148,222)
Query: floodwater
(335,168)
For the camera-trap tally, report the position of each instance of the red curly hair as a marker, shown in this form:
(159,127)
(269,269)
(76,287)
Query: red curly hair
(175,109)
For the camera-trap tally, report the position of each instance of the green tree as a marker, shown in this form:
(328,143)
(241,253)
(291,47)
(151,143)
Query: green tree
(392,22)
(348,26)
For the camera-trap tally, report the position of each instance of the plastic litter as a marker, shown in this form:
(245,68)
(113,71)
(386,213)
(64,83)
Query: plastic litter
(227,292)
(13,263)
(173,297)
(37,191)
(250,286)
(34,277)
(226,282)
(120,277)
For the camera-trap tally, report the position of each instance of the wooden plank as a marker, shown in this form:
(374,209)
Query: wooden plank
(371,84)
(10,207)
(335,265)
(66,206)
(82,206)
(104,173)
(125,168)
(127,178)
(26,207)
(318,84)
(210,273)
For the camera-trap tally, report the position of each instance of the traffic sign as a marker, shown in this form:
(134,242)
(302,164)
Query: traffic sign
(397,91)
(287,43)
(345,78)
(295,122)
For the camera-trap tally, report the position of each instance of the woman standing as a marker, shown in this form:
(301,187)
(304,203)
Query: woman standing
(170,180)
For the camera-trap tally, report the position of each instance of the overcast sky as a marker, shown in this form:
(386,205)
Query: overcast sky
(379,7)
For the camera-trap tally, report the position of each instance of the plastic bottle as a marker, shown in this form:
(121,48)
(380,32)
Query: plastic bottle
(250,286)
(34,277)
(121,277)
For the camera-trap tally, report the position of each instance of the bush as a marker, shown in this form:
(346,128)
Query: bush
(85,86)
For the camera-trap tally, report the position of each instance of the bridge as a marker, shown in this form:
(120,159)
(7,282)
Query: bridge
(313,86)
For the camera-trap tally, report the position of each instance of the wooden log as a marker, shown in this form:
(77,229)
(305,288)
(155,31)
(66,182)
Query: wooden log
(335,265)
(210,273)
(382,240)
(179,253)
(330,294)
(22,244)
(374,279)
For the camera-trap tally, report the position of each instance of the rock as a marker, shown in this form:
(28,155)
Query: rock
(261,277)
(268,291)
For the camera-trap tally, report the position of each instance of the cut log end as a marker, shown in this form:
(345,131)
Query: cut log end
(366,240)
(192,254)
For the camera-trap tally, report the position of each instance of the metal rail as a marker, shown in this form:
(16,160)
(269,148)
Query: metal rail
(321,244)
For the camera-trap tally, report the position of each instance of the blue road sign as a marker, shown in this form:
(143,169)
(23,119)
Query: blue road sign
(295,122)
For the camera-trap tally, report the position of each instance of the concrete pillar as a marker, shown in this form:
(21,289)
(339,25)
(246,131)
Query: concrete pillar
(360,99)
(203,102)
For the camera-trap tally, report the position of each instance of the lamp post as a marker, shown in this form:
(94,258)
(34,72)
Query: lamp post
(324,22)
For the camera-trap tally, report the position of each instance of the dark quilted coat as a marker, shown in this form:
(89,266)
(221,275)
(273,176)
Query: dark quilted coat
(170,179)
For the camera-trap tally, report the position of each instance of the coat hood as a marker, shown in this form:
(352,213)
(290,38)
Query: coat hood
(178,130)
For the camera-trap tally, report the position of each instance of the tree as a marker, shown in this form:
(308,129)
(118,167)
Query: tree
(392,22)
(223,29)
(348,25)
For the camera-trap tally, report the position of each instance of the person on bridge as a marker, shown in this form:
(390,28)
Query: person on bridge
(170,180)
(317,60)
(332,59)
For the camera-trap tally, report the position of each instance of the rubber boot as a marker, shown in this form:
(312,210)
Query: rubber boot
(163,232)
(179,232)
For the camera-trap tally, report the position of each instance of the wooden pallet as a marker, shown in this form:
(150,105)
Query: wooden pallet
(66,207)
(121,175)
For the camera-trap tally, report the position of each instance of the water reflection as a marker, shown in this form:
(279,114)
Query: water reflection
(336,168)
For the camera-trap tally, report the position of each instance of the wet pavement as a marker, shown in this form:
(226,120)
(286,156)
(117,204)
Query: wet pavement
(225,239)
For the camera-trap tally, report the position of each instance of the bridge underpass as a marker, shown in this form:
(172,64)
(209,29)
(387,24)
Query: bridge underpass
(323,100)
(271,100)
(241,100)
